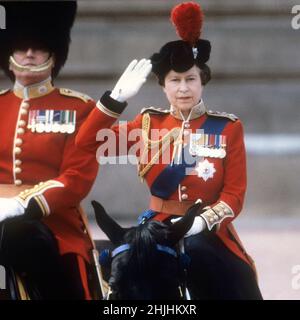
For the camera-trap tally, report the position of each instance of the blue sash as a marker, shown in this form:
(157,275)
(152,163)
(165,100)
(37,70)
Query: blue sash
(168,180)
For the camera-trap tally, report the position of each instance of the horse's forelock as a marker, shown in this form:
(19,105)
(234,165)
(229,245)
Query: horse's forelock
(137,267)
(154,229)
(143,255)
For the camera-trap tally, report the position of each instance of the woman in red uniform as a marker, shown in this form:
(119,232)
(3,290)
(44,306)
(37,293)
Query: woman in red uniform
(200,157)
(43,177)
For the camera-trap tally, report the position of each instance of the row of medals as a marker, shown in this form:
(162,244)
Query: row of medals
(200,146)
(63,121)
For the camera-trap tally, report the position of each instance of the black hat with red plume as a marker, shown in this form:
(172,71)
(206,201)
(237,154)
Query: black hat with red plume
(181,55)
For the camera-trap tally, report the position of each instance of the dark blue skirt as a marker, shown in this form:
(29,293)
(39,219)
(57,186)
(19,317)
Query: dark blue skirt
(216,273)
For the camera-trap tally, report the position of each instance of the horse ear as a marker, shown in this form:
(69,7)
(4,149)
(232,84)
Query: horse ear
(108,225)
(182,226)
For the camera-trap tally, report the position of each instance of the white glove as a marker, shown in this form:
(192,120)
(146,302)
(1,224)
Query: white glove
(9,208)
(131,80)
(198,226)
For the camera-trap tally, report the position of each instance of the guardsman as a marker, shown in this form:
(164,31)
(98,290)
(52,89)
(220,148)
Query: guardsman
(43,177)
(200,158)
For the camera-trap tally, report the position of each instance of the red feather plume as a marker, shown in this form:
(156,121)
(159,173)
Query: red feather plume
(188,19)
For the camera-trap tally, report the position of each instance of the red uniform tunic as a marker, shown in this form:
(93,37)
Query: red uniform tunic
(48,158)
(227,180)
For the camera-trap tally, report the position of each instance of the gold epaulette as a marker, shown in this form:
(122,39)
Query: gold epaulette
(4,91)
(230,116)
(75,94)
(155,110)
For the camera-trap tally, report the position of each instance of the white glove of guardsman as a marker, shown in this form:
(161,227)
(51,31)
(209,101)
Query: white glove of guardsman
(9,208)
(131,80)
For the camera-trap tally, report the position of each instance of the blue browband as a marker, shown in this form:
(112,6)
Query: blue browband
(120,249)
(166,249)
(159,247)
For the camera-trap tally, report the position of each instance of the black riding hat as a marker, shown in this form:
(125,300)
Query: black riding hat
(181,55)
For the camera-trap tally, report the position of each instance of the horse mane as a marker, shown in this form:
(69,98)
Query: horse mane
(143,240)
(137,268)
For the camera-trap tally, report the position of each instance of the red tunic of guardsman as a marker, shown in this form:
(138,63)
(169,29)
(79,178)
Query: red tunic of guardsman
(43,176)
(218,180)
(38,150)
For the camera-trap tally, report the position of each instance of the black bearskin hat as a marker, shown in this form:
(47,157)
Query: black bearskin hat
(181,55)
(37,24)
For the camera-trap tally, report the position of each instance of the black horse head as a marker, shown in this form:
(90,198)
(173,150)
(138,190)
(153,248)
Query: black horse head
(145,265)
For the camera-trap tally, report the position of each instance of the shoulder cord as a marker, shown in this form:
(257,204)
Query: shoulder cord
(165,141)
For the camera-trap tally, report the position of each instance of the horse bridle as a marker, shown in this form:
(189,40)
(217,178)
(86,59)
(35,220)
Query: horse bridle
(143,218)
(159,247)
(162,248)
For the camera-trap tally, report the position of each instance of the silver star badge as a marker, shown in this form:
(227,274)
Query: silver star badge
(205,170)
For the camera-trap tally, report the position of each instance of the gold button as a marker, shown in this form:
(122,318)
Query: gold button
(23,111)
(18,182)
(18,162)
(21,123)
(186,125)
(217,210)
(25,105)
(18,170)
(20,131)
(210,213)
(184,196)
(18,150)
(186,132)
(227,211)
(183,188)
(42,89)
(19,141)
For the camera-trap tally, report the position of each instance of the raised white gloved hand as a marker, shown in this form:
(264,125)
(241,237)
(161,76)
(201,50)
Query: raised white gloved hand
(198,226)
(9,208)
(131,80)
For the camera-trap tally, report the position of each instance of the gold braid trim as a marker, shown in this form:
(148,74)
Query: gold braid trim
(36,192)
(106,110)
(149,144)
(43,205)
(217,214)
